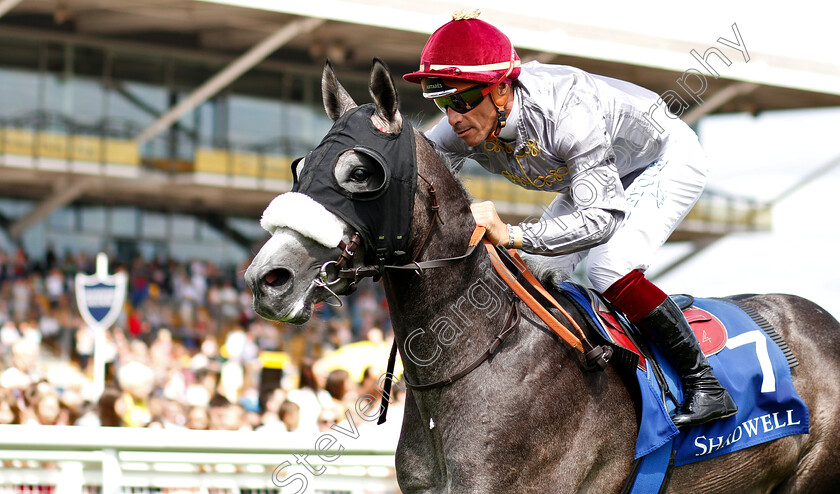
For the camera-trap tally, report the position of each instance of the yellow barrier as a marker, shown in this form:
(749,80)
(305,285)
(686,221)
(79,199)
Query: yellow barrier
(17,141)
(278,168)
(76,148)
(709,210)
(753,216)
(83,148)
(247,164)
(211,161)
(68,147)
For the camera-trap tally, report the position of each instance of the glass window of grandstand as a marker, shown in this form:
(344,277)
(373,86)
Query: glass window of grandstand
(86,102)
(62,89)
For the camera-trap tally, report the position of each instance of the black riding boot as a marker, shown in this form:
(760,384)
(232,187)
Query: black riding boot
(704,399)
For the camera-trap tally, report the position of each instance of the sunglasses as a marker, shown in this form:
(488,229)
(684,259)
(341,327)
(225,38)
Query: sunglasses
(463,101)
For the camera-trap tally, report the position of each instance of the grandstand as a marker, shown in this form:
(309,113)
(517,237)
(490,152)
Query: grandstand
(158,131)
(133,114)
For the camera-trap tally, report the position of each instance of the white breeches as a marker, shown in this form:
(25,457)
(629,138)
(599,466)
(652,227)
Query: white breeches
(658,200)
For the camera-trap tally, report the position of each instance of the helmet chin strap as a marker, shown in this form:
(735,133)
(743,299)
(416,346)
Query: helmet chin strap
(501,118)
(493,90)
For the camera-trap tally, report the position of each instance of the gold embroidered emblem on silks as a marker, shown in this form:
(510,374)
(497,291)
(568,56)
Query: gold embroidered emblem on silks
(532,148)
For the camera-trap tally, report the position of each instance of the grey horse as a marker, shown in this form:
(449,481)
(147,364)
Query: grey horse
(528,418)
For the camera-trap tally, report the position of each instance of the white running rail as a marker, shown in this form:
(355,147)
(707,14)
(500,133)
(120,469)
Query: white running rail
(115,460)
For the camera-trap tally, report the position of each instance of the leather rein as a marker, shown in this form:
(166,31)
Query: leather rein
(596,357)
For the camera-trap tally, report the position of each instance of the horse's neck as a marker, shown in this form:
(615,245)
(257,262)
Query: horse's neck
(446,316)
(417,296)
(422,297)
(458,303)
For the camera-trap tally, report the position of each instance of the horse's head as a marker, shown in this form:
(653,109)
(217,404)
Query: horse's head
(361,179)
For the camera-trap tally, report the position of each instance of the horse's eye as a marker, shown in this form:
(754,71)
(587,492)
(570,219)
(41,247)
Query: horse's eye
(359,175)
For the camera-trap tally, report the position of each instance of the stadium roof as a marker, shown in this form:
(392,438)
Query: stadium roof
(651,47)
(639,48)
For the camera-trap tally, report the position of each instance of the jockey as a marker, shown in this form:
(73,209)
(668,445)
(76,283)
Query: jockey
(625,172)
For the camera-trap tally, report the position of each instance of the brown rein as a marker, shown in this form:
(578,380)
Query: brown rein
(577,341)
(510,324)
(596,356)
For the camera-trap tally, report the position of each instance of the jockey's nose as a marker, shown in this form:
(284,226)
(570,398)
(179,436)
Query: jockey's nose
(452,115)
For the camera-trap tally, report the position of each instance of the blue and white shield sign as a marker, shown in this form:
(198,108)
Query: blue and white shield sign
(100,296)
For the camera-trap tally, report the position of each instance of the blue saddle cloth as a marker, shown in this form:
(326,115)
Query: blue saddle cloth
(751,366)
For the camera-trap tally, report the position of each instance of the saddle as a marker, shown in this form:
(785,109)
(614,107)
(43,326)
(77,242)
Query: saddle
(749,358)
(709,330)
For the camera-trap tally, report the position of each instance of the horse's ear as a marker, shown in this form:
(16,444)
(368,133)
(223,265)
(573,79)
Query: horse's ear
(336,99)
(384,94)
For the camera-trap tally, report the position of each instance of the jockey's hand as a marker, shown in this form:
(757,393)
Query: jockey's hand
(485,215)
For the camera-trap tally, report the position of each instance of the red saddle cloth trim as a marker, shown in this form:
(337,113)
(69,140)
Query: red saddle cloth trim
(710,332)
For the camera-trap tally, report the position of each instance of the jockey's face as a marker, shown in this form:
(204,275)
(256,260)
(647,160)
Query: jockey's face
(471,111)
(476,125)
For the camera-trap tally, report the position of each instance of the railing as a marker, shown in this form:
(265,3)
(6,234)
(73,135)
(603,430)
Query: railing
(265,167)
(65,149)
(714,213)
(111,460)
(718,212)
(242,164)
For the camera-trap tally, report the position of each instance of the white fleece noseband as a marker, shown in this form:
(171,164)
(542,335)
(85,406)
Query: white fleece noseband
(302,214)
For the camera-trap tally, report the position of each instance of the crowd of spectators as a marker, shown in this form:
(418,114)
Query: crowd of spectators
(186,352)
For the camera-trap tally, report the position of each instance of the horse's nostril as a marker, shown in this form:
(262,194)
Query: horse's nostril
(277,277)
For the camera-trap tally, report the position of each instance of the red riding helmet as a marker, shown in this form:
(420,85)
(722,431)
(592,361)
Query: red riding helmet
(469,50)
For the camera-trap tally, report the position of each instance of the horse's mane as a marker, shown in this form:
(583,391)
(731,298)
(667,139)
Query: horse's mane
(453,163)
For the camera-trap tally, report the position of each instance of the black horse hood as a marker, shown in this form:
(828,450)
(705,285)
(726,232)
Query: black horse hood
(381,216)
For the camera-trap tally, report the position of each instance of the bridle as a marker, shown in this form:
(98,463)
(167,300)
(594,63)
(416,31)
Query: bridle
(333,271)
